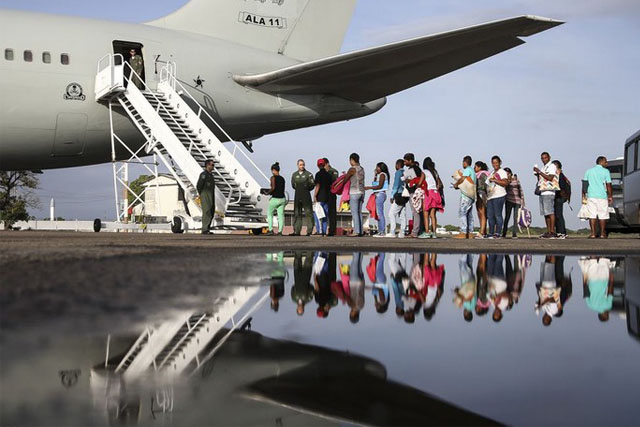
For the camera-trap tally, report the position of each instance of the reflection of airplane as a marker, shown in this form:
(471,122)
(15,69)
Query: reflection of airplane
(268,67)
(258,380)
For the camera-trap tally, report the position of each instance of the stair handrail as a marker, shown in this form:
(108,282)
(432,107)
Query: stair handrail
(173,80)
(128,77)
(182,339)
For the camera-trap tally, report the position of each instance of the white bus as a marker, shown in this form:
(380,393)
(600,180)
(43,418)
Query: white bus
(632,182)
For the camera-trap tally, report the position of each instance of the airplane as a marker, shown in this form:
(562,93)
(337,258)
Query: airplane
(258,67)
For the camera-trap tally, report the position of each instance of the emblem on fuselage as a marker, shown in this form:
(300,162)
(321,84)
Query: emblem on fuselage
(74,92)
(199,81)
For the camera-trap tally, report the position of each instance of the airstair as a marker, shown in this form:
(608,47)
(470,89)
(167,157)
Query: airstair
(176,133)
(182,345)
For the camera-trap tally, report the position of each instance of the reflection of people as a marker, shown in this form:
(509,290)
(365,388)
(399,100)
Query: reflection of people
(302,291)
(465,296)
(356,284)
(322,283)
(276,290)
(206,187)
(380,286)
(398,270)
(500,297)
(548,291)
(433,275)
(515,273)
(482,291)
(137,65)
(597,276)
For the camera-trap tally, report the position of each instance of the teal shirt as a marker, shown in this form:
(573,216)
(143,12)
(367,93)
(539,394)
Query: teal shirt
(598,300)
(468,171)
(598,178)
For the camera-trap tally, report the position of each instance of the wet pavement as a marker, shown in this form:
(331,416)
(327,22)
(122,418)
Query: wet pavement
(148,335)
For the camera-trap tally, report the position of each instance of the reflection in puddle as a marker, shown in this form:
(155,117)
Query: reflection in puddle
(373,339)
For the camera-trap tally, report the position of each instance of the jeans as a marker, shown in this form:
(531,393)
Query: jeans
(494,215)
(466,215)
(276,205)
(355,200)
(321,224)
(559,211)
(510,206)
(381,197)
(395,212)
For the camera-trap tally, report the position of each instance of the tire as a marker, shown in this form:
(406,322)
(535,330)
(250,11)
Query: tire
(176,225)
(97,225)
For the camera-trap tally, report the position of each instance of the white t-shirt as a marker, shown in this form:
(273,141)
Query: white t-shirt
(548,169)
(493,189)
(431,181)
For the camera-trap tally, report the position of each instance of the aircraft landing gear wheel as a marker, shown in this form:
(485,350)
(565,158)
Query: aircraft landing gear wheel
(176,225)
(256,231)
(97,225)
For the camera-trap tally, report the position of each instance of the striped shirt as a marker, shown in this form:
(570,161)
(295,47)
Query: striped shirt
(514,192)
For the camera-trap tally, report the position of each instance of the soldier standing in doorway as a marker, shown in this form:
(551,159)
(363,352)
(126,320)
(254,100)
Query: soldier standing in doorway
(207,189)
(303,182)
(137,65)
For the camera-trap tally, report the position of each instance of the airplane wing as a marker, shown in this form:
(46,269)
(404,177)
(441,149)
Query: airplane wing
(370,74)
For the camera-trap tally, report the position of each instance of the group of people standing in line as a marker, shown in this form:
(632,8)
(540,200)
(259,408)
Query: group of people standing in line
(416,282)
(417,192)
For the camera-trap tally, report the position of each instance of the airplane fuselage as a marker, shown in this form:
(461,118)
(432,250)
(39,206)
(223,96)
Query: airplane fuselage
(42,102)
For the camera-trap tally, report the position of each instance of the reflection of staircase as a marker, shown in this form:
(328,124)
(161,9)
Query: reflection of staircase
(181,139)
(177,346)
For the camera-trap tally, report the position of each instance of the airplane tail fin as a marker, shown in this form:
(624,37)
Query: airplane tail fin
(300,29)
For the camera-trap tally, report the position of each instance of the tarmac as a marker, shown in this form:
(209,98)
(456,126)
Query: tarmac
(17,247)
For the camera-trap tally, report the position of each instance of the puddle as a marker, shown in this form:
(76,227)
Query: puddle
(316,338)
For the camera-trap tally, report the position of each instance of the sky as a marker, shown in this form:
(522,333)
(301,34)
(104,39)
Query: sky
(572,91)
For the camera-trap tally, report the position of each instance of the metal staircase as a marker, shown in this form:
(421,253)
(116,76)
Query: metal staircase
(178,136)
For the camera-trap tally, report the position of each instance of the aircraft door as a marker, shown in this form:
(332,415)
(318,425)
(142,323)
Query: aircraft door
(71,130)
(128,49)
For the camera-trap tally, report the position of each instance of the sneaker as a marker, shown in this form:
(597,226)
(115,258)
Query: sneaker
(379,235)
(497,236)
(488,237)
(391,235)
(561,236)
(401,236)
(425,236)
(270,233)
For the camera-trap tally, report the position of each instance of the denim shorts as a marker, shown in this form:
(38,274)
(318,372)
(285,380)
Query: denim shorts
(547,204)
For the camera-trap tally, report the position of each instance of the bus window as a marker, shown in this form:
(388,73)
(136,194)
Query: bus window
(630,157)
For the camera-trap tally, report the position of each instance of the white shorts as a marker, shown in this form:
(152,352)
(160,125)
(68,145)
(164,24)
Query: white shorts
(597,209)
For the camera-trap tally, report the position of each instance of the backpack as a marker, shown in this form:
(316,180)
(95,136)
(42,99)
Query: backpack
(565,188)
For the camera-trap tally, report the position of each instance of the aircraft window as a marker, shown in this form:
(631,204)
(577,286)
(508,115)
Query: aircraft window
(28,56)
(46,57)
(64,59)
(8,54)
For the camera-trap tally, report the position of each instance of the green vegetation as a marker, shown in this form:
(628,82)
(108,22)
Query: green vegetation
(16,195)
(137,187)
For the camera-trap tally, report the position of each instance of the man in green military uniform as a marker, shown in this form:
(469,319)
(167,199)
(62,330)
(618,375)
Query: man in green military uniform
(206,189)
(302,290)
(333,216)
(303,182)
(137,64)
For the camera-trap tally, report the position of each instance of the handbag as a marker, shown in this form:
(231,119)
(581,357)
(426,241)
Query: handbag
(583,213)
(319,211)
(400,200)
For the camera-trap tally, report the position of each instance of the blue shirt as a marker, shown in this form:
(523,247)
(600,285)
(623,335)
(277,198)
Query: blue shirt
(598,178)
(397,182)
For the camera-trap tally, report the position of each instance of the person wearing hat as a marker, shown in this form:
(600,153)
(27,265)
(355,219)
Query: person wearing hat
(333,199)
(302,182)
(322,197)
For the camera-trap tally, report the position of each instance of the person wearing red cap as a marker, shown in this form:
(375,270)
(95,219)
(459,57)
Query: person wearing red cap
(322,197)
